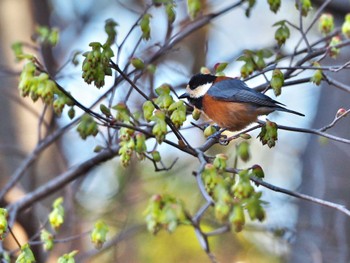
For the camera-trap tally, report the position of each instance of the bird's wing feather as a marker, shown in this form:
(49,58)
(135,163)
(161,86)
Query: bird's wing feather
(235,90)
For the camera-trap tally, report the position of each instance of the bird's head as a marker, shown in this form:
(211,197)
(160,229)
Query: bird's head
(198,86)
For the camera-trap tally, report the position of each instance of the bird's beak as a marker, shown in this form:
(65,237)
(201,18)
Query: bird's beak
(184,96)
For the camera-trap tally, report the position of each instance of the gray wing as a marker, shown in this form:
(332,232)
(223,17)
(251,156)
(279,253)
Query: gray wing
(236,90)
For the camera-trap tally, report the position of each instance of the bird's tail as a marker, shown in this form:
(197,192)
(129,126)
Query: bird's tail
(279,108)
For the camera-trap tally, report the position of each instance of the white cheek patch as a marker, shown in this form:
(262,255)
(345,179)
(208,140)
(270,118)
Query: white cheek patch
(200,91)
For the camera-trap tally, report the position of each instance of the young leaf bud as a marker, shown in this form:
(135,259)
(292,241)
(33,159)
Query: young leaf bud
(196,114)
(3,222)
(222,211)
(99,234)
(145,26)
(305,6)
(137,63)
(209,130)
(194,7)
(243,151)
(148,109)
(346,26)
(47,238)
(26,255)
(105,110)
(219,67)
(56,216)
(140,144)
(170,11)
(282,34)
(317,77)
(237,217)
(274,5)
(277,81)
(334,51)
(220,161)
(326,24)
(68,258)
(156,156)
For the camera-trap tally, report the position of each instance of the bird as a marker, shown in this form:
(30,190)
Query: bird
(229,102)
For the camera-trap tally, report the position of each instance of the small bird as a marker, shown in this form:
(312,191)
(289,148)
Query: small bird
(229,102)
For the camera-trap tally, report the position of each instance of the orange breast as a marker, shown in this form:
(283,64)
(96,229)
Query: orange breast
(233,116)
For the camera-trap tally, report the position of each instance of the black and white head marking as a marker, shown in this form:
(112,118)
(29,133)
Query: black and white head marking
(199,85)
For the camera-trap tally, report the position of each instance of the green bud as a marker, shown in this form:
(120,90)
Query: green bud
(110,26)
(305,6)
(196,114)
(17,49)
(98,148)
(317,77)
(255,210)
(54,36)
(247,69)
(140,145)
(222,211)
(257,171)
(105,110)
(56,216)
(151,68)
(170,11)
(68,258)
(237,217)
(209,130)
(26,255)
(71,113)
(148,109)
(277,81)
(260,63)
(243,151)
(274,5)
(87,127)
(282,34)
(156,156)
(145,26)
(326,24)
(47,238)
(194,7)
(164,89)
(334,51)
(219,67)
(99,234)
(220,161)
(137,63)
(3,222)
(346,26)
(268,134)
(243,189)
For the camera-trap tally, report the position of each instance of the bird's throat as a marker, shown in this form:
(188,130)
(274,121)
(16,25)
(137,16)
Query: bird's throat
(197,102)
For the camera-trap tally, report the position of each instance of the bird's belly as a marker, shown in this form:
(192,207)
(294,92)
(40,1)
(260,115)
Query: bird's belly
(233,116)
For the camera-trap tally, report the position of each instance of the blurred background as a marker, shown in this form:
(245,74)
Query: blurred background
(295,231)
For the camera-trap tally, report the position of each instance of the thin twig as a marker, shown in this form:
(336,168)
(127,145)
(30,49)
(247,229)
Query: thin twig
(309,198)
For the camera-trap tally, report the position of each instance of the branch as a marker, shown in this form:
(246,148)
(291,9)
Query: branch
(309,198)
(60,181)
